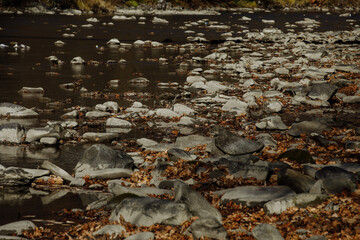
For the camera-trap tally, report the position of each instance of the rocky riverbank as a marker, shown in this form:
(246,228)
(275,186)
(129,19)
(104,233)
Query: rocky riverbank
(271,153)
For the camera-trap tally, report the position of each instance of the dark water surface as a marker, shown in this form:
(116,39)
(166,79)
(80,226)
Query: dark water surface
(28,68)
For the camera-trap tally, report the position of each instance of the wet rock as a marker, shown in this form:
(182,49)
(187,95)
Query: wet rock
(16,111)
(157,20)
(298,155)
(77,61)
(207,227)
(246,171)
(12,133)
(271,123)
(280,205)
(253,195)
(57,170)
(17,227)
(31,90)
(113,42)
(333,185)
(306,127)
(14,177)
(196,203)
(111,230)
(232,144)
(298,182)
(100,137)
(48,140)
(35,134)
(141,236)
(322,91)
(116,122)
(145,211)
(266,231)
(99,156)
(334,172)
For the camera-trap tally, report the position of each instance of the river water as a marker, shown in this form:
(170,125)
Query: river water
(30,68)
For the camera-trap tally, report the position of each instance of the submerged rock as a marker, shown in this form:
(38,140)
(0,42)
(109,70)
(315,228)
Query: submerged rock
(99,156)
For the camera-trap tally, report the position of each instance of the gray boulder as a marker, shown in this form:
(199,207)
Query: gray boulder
(12,133)
(16,227)
(298,182)
(351,99)
(207,227)
(196,203)
(191,141)
(322,91)
(306,127)
(146,211)
(99,156)
(253,195)
(297,155)
(280,205)
(266,231)
(232,144)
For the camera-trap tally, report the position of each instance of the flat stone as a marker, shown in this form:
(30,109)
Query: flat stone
(322,91)
(111,230)
(351,99)
(35,134)
(141,236)
(253,195)
(266,231)
(16,111)
(334,172)
(246,171)
(271,123)
(14,177)
(112,173)
(48,140)
(17,227)
(280,205)
(176,154)
(57,170)
(146,211)
(116,122)
(306,127)
(333,185)
(183,109)
(232,144)
(97,114)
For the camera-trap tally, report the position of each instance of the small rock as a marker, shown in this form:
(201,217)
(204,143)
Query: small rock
(298,155)
(141,236)
(266,231)
(298,182)
(111,230)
